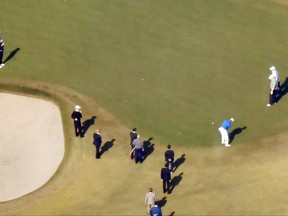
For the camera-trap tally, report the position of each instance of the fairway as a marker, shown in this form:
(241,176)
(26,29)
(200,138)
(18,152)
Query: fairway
(171,69)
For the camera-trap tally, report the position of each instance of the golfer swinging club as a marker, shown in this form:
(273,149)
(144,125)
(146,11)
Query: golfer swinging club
(226,124)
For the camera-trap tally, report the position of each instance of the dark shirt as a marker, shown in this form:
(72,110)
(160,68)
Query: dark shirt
(133,136)
(2,47)
(76,115)
(169,154)
(97,140)
(165,174)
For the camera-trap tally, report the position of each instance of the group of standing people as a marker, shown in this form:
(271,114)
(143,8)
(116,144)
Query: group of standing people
(97,139)
(165,175)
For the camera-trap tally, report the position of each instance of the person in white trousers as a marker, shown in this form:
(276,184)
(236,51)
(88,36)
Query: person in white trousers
(150,200)
(226,124)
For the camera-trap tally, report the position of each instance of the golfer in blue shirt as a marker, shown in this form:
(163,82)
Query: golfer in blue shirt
(226,124)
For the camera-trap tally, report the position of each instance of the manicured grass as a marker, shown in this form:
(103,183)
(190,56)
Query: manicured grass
(201,61)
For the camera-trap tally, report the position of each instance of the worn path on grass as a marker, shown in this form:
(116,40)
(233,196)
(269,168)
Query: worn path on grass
(248,178)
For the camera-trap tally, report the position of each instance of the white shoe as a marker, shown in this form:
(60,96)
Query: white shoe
(2,65)
(227,145)
(268,105)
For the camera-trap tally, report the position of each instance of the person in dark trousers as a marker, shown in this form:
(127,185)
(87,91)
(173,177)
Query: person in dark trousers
(155,211)
(273,91)
(133,136)
(77,115)
(138,149)
(1,52)
(169,158)
(166,178)
(97,142)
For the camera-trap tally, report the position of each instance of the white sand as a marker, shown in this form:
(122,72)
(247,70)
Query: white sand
(31,144)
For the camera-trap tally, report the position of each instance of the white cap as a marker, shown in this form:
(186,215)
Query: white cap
(272,68)
(232,119)
(77,107)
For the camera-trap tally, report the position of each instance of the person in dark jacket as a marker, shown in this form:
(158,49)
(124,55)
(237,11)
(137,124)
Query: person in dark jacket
(1,52)
(133,136)
(97,142)
(166,178)
(169,158)
(77,115)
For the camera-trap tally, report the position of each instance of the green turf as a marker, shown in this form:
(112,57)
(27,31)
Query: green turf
(201,60)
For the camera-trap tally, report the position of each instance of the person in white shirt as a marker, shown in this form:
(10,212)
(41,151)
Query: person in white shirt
(274,73)
(150,200)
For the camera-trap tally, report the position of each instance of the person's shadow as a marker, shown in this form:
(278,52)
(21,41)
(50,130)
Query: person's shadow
(148,148)
(283,90)
(87,123)
(161,203)
(106,146)
(175,181)
(178,162)
(235,132)
(172,213)
(11,55)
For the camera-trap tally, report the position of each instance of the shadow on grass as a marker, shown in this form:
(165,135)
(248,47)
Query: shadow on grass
(235,132)
(172,213)
(11,55)
(178,162)
(161,203)
(107,146)
(148,148)
(175,181)
(87,123)
(283,90)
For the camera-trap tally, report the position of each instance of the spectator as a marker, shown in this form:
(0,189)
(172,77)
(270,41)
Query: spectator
(166,178)
(138,149)
(77,115)
(97,142)
(133,136)
(169,158)
(150,199)
(155,211)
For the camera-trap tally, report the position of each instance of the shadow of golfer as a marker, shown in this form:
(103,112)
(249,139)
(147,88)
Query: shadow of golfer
(87,123)
(175,181)
(11,55)
(283,90)
(148,148)
(235,132)
(106,146)
(172,213)
(161,203)
(178,162)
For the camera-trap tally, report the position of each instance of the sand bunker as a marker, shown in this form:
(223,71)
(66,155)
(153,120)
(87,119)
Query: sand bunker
(31,146)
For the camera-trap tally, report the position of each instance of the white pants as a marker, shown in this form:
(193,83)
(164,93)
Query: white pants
(224,136)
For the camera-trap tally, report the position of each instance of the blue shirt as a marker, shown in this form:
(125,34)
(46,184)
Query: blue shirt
(226,124)
(155,211)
